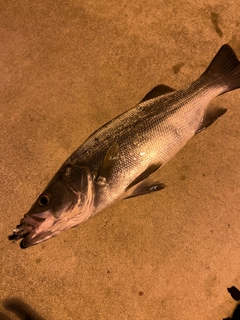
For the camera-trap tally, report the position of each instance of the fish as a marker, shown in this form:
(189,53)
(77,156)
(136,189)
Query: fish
(118,160)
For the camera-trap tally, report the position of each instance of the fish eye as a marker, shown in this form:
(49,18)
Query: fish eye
(44,200)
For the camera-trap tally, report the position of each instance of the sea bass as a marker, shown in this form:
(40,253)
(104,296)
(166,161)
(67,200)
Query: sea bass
(117,160)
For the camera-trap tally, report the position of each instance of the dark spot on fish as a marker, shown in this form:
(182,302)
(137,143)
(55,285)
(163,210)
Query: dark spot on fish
(141,293)
(177,67)
(38,260)
(215,22)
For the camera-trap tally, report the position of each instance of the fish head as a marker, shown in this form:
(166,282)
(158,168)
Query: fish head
(66,202)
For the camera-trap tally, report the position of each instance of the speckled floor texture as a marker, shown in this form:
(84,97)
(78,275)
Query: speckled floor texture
(67,67)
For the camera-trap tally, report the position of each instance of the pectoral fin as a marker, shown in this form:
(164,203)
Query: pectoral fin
(146,186)
(157,91)
(108,164)
(144,175)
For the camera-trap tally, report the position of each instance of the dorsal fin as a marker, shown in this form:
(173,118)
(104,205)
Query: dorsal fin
(157,91)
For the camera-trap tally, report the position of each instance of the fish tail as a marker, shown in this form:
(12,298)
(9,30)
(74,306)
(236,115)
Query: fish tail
(227,67)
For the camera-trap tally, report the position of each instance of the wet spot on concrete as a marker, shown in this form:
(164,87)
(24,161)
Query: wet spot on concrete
(215,22)
(183,177)
(177,67)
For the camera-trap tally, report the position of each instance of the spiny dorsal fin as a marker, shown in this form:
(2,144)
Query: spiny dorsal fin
(210,116)
(157,91)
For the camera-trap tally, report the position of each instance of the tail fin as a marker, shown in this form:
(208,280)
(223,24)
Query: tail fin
(227,67)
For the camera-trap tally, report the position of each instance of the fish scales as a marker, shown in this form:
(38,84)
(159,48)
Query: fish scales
(159,128)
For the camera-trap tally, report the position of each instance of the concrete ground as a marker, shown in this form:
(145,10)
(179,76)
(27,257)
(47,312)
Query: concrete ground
(67,67)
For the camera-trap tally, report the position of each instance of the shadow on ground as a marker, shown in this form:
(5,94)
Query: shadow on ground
(24,312)
(235,294)
(21,309)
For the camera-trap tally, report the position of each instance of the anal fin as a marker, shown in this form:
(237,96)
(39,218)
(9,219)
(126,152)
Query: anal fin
(210,116)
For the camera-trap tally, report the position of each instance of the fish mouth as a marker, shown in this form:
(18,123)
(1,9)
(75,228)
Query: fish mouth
(27,233)
(33,228)
(23,230)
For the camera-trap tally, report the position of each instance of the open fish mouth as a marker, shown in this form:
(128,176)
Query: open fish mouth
(22,230)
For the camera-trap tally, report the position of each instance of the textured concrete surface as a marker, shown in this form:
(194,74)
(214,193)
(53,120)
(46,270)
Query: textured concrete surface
(67,67)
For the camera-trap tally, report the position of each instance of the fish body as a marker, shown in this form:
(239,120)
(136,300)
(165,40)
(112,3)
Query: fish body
(118,159)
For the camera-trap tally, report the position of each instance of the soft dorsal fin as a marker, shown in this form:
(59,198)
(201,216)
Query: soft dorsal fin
(157,91)
(108,164)
(210,116)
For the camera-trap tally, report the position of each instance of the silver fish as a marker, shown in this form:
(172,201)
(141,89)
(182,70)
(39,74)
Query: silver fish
(117,160)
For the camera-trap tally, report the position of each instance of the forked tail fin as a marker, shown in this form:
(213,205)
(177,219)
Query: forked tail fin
(227,67)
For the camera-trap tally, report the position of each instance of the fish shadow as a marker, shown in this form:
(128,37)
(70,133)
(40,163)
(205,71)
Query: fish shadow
(235,294)
(21,309)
